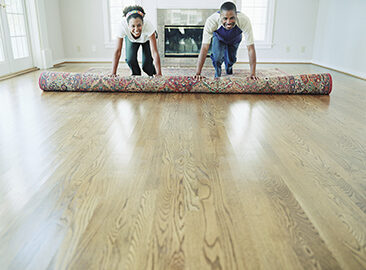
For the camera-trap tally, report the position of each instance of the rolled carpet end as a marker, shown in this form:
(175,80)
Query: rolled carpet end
(316,84)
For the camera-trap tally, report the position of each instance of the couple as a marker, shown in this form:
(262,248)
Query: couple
(224,28)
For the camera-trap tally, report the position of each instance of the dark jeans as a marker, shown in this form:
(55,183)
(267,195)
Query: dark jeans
(222,52)
(147,60)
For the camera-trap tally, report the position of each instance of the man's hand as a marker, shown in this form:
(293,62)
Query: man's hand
(254,77)
(201,61)
(198,77)
(252,61)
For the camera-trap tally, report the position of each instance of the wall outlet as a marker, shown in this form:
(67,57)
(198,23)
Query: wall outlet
(94,48)
(288,49)
(78,48)
(303,49)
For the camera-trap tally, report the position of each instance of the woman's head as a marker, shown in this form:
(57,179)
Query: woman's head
(135,19)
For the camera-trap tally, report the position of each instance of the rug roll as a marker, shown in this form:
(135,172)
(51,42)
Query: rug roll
(319,84)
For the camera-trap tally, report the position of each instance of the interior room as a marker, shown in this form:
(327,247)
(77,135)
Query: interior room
(166,134)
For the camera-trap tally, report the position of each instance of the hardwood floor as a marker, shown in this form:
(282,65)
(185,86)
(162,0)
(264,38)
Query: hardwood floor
(182,181)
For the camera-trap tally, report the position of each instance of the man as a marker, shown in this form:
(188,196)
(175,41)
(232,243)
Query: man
(225,29)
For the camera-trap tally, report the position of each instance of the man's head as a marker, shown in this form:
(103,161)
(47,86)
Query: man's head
(228,15)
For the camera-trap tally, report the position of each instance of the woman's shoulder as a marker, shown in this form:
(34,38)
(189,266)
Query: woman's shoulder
(148,22)
(148,25)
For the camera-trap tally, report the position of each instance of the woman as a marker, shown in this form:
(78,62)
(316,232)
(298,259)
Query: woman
(136,31)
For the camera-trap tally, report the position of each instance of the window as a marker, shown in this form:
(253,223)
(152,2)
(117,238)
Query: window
(261,15)
(112,18)
(18,34)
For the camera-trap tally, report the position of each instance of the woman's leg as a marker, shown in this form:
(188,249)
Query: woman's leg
(131,56)
(147,60)
(217,55)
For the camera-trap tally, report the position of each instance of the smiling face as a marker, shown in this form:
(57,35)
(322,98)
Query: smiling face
(135,26)
(228,18)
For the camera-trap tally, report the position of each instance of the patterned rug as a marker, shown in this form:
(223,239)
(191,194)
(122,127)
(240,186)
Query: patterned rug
(96,82)
(206,72)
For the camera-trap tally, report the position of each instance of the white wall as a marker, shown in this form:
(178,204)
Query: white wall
(328,32)
(54,30)
(83,30)
(293,33)
(294,28)
(340,40)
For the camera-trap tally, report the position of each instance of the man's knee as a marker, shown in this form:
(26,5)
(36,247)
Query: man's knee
(217,59)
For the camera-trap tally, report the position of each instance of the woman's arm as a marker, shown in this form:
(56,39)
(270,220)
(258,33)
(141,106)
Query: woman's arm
(155,54)
(117,55)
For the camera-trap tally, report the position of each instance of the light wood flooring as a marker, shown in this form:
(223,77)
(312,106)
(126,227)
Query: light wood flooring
(182,181)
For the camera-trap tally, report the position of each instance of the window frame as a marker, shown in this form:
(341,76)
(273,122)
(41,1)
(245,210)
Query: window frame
(108,41)
(267,43)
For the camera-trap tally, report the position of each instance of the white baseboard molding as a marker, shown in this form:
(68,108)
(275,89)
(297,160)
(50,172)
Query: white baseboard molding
(90,60)
(277,61)
(354,73)
(109,60)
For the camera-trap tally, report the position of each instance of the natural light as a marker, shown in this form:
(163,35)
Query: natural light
(115,10)
(257,11)
(18,35)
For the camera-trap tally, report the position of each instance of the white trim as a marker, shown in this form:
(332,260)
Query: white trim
(240,61)
(304,61)
(276,60)
(42,54)
(106,24)
(90,60)
(108,42)
(341,69)
(268,42)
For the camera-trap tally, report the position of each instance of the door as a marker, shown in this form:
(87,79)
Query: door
(15,53)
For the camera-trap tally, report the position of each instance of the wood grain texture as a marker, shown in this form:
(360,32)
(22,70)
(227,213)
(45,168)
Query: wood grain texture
(182,181)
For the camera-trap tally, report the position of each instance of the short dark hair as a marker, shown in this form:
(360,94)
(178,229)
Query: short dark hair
(134,15)
(228,6)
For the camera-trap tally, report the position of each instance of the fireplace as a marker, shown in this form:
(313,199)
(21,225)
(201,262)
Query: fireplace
(182,40)
(180,35)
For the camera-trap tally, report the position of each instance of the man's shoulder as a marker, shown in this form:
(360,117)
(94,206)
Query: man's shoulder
(215,17)
(242,17)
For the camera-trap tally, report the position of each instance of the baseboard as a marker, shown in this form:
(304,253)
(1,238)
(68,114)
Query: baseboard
(108,61)
(278,62)
(58,62)
(354,74)
(12,75)
(104,60)
(89,60)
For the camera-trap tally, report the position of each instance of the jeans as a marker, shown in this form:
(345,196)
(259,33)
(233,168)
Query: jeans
(222,52)
(147,60)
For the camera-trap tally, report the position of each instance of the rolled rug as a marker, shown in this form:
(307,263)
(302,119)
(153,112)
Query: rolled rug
(317,84)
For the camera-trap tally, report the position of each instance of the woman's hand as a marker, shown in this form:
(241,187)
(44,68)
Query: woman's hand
(112,75)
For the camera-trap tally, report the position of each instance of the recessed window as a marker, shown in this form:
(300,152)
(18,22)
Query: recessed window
(17,29)
(260,13)
(115,14)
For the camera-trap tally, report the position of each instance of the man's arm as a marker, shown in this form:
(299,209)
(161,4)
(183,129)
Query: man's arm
(252,61)
(201,60)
